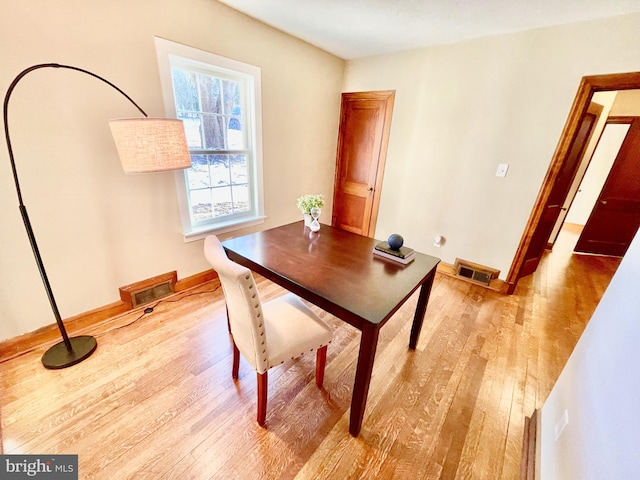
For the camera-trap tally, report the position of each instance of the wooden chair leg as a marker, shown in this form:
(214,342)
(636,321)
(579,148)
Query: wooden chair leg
(321,361)
(262,398)
(236,360)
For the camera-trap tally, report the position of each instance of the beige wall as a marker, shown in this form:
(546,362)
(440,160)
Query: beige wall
(627,103)
(462,109)
(97,228)
(599,388)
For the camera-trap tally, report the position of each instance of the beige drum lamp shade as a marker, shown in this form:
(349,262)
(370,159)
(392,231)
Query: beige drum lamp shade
(148,145)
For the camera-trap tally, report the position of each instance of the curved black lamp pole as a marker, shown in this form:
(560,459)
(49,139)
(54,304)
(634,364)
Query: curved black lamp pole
(71,350)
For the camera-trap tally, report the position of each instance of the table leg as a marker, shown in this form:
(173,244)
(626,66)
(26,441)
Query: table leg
(421,308)
(368,345)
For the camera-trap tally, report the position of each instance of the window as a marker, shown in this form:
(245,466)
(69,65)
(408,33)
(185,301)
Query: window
(218,99)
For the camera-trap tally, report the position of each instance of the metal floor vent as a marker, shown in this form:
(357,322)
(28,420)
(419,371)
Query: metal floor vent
(149,290)
(152,294)
(474,272)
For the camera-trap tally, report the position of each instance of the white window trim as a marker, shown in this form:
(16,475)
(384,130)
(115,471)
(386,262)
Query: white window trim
(166,48)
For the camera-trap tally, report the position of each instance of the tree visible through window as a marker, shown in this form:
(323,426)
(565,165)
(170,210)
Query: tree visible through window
(218,106)
(212,111)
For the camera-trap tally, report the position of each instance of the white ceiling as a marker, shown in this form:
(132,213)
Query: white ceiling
(358,28)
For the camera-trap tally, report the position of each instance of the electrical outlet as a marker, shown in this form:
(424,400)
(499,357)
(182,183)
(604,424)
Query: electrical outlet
(561,424)
(502,170)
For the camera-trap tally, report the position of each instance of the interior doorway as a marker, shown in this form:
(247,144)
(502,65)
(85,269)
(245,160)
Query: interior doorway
(588,87)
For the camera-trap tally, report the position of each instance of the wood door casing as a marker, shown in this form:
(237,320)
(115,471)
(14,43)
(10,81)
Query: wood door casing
(615,218)
(365,121)
(558,194)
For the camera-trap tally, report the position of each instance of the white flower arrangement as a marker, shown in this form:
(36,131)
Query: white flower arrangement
(307,202)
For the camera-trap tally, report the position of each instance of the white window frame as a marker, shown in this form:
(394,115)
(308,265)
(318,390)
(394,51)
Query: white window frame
(168,52)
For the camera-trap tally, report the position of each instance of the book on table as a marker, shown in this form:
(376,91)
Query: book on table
(402,260)
(403,252)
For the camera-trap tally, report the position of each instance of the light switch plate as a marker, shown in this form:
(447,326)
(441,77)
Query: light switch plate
(502,170)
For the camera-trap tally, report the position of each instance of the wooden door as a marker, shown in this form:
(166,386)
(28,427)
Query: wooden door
(615,218)
(596,109)
(558,194)
(365,121)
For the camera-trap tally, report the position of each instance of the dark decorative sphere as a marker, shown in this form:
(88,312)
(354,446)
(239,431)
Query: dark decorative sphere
(395,241)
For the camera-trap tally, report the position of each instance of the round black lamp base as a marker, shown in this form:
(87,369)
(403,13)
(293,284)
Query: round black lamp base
(59,357)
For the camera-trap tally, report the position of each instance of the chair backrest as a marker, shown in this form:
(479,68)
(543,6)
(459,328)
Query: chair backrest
(243,304)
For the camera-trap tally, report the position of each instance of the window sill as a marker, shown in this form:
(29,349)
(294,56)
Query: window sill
(198,233)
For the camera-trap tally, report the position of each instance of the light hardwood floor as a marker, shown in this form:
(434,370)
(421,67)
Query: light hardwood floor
(156,400)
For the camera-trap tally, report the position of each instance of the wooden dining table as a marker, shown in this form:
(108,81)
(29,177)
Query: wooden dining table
(337,271)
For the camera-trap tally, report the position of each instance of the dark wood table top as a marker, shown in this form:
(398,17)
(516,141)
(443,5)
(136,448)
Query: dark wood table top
(333,269)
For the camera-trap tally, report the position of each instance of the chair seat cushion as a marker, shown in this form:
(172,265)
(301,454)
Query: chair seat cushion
(292,329)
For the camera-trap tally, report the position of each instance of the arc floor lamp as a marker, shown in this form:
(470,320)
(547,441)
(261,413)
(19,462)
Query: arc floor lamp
(144,145)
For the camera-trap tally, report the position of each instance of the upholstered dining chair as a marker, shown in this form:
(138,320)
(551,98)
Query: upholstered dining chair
(267,334)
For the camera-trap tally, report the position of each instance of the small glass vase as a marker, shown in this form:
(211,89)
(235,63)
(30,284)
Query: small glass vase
(307,219)
(314,226)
